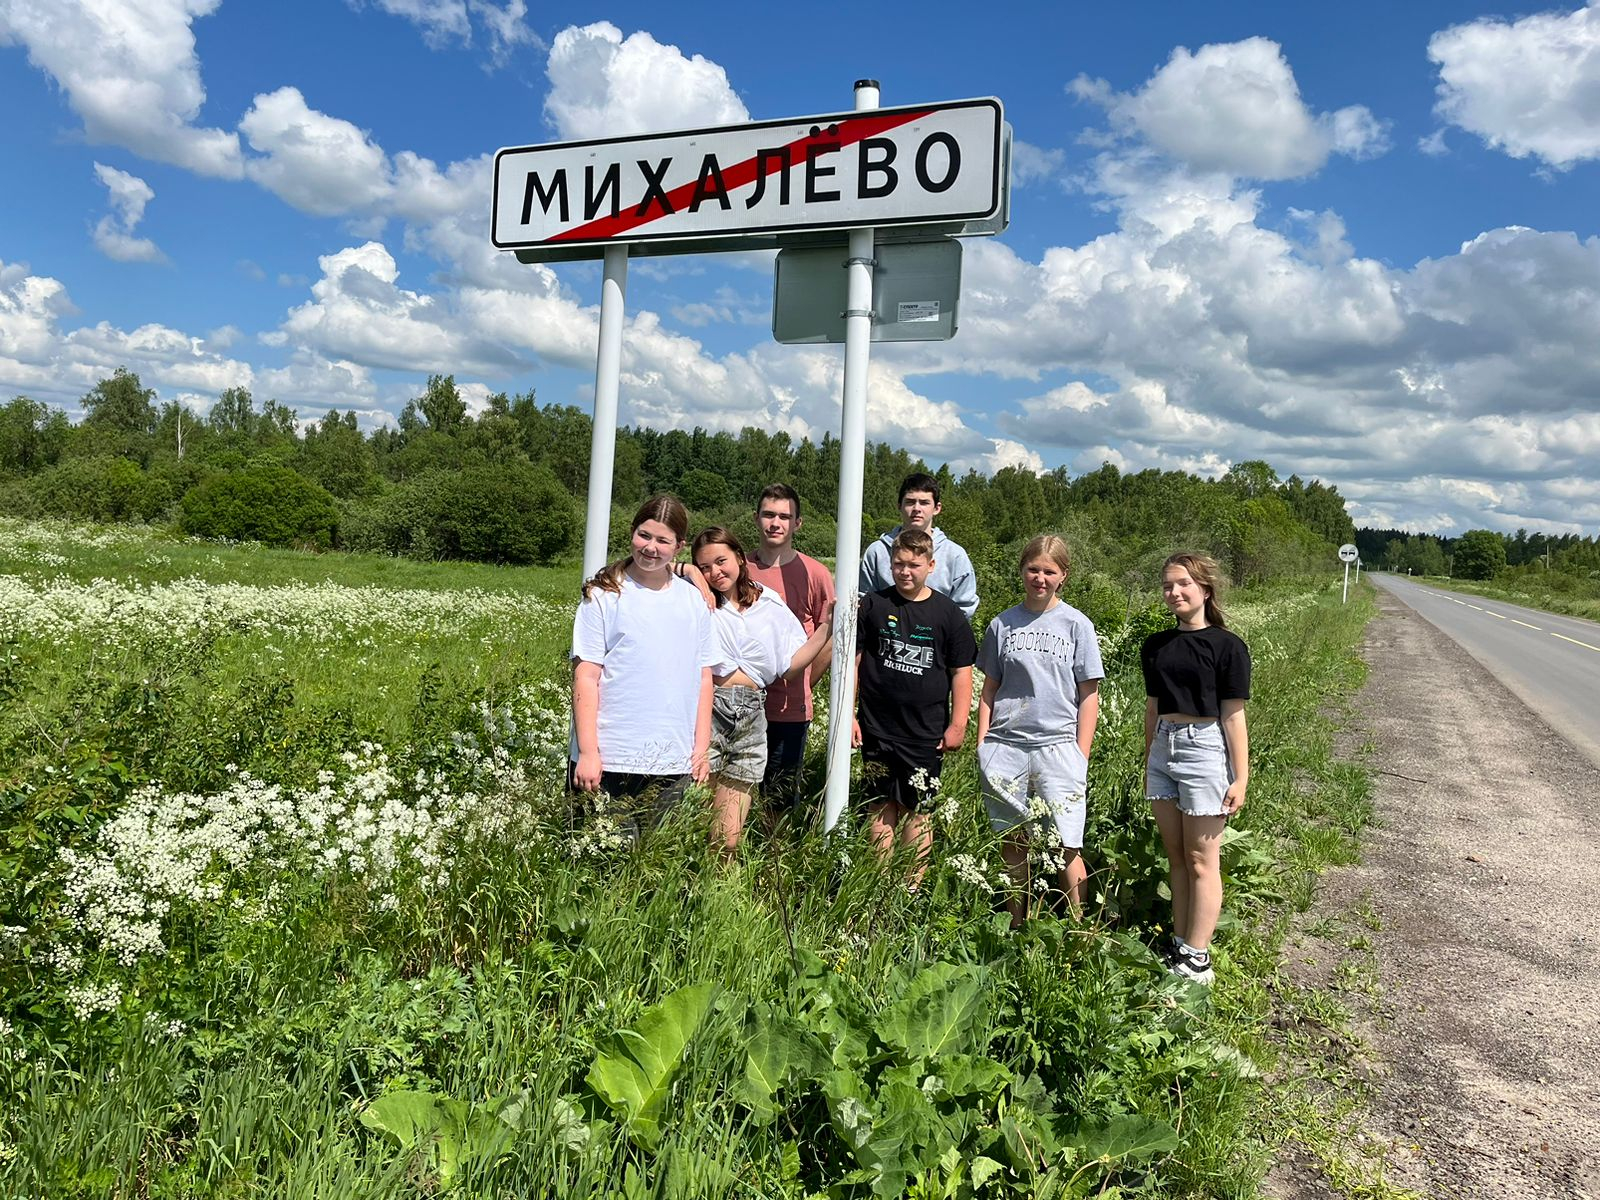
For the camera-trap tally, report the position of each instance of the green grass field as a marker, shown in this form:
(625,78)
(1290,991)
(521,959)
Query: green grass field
(291,904)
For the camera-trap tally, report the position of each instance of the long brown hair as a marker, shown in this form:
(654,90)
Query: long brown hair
(744,588)
(669,510)
(1203,569)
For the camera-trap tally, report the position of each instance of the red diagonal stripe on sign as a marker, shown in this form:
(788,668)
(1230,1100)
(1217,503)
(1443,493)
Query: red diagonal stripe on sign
(849,132)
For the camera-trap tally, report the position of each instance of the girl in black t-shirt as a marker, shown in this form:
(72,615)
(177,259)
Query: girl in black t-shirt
(1197,750)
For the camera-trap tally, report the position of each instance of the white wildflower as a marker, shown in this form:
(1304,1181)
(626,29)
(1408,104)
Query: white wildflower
(970,869)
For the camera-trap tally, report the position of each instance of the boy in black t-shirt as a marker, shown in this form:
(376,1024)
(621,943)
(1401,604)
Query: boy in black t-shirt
(914,656)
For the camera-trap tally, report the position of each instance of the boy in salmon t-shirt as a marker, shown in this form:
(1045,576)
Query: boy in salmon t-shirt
(806,587)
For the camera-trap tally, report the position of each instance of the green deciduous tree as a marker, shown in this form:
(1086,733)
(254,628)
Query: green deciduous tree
(507,514)
(335,455)
(1252,478)
(121,404)
(1478,554)
(233,413)
(703,490)
(265,502)
(441,405)
(103,487)
(32,435)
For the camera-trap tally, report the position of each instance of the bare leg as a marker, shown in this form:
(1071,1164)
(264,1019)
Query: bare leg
(730,805)
(916,831)
(1202,845)
(1014,850)
(1170,821)
(883,819)
(1074,880)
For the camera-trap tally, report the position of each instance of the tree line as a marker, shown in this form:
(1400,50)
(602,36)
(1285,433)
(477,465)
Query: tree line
(1558,561)
(507,485)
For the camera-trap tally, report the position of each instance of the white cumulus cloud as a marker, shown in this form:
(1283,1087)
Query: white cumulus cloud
(39,358)
(1530,87)
(1236,108)
(1033,164)
(602,84)
(443,22)
(130,71)
(113,233)
(319,164)
(440,20)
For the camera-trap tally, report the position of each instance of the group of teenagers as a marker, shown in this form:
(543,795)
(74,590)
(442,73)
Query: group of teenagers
(702,670)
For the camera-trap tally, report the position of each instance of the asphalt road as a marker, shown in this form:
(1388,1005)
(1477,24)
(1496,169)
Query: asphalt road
(1551,662)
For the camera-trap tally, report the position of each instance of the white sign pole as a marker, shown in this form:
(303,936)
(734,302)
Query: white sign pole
(852,477)
(603,440)
(1346,597)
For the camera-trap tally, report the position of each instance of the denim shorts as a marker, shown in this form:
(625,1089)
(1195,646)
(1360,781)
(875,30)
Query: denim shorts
(1037,787)
(1188,766)
(739,734)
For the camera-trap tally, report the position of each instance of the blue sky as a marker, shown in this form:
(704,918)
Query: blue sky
(1359,242)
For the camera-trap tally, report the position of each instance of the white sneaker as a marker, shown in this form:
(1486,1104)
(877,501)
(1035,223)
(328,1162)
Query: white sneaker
(1193,965)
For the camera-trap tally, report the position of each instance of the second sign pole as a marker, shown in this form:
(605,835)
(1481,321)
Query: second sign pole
(852,471)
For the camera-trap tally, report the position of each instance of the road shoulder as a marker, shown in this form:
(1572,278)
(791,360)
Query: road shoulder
(1482,1019)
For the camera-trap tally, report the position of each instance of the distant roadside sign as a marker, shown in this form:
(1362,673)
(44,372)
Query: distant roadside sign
(937,164)
(1347,553)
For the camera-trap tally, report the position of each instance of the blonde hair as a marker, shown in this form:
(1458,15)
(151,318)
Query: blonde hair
(1047,545)
(1205,571)
(669,510)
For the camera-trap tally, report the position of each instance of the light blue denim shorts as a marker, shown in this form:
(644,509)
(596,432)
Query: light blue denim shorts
(1188,766)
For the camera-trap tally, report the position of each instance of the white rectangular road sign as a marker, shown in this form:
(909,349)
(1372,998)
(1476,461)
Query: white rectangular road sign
(918,165)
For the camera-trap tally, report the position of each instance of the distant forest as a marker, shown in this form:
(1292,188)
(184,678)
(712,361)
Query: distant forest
(1520,558)
(508,485)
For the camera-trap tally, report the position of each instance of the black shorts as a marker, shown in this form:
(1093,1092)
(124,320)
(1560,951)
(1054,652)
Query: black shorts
(784,784)
(903,775)
(638,803)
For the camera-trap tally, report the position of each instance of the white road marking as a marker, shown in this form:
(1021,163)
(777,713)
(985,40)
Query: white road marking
(1525,625)
(1576,642)
(1497,616)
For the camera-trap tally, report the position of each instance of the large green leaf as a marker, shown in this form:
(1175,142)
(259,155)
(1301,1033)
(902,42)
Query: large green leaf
(1126,1139)
(449,1130)
(907,1135)
(941,1012)
(634,1076)
(958,1075)
(779,1050)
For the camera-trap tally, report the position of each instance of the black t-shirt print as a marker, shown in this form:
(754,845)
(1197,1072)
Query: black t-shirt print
(908,649)
(1193,670)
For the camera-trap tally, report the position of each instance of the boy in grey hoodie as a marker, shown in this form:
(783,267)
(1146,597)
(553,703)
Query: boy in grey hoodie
(952,571)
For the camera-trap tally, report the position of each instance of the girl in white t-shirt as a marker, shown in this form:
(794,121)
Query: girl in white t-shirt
(760,642)
(643,649)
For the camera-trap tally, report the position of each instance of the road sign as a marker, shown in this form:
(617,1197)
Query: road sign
(726,188)
(1347,555)
(916,287)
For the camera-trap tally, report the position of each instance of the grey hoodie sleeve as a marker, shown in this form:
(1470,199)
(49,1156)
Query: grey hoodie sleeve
(875,574)
(963,580)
